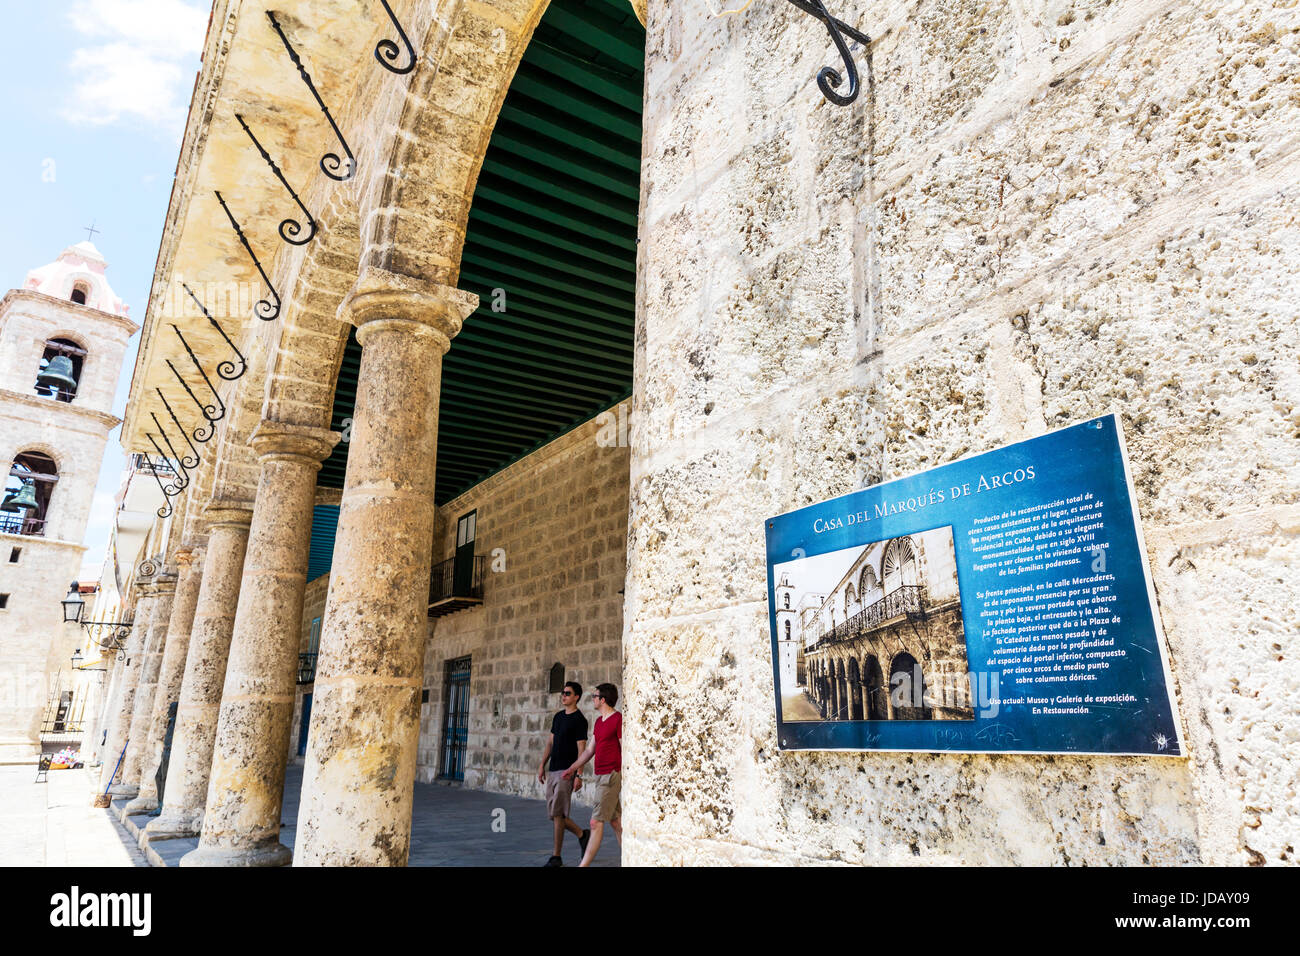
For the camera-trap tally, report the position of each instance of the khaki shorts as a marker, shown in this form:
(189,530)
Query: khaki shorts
(559,794)
(608,806)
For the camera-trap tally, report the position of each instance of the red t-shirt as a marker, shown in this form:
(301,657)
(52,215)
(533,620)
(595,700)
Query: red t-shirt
(609,752)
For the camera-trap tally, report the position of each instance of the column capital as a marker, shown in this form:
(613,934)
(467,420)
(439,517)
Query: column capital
(380,298)
(280,439)
(233,513)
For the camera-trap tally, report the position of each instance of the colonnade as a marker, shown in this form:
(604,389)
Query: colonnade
(217,631)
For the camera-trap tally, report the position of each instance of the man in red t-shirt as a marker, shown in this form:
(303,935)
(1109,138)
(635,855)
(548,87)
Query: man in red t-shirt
(607,749)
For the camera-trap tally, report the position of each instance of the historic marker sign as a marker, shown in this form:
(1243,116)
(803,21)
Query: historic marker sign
(999,603)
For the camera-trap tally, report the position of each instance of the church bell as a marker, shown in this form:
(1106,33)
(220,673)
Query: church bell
(57,375)
(24,499)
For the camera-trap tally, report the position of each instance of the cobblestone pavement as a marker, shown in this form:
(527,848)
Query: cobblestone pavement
(451,827)
(53,824)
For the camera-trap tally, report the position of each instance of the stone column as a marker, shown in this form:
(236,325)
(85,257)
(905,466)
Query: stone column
(241,823)
(365,722)
(205,675)
(170,672)
(132,664)
(142,712)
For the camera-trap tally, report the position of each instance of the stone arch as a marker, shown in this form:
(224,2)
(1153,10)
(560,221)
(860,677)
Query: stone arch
(868,585)
(31,479)
(414,223)
(850,598)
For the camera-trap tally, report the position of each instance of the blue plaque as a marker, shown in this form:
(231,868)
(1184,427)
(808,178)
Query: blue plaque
(1001,603)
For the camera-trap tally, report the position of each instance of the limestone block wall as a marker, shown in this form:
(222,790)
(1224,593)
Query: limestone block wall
(555,525)
(1034,214)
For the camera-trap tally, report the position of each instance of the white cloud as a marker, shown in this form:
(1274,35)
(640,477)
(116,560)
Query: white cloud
(142,68)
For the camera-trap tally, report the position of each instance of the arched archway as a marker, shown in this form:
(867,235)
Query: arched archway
(907,688)
(29,486)
(855,691)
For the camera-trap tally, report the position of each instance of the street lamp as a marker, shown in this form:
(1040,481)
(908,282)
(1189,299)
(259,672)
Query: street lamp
(77,658)
(73,605)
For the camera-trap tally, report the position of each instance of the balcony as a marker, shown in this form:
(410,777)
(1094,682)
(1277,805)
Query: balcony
(16,522)
(307,668)
(902,602)
(453,588)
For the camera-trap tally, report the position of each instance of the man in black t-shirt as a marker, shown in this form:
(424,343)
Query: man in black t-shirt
(568,739)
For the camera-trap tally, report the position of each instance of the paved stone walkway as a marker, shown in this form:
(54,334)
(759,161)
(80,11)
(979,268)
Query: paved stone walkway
(53,824)
(451,826)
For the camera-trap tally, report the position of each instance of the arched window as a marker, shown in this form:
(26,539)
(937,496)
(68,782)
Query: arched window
(868,586)
(787,599)
(899,567)
(787,631)
(850,596)
(60,371)
(25,507)
(79,293)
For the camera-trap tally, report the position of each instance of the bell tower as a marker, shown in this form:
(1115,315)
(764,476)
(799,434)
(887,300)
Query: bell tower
(63,336)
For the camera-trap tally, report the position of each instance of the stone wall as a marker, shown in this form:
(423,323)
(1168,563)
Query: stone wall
(554,526)
(1034,214)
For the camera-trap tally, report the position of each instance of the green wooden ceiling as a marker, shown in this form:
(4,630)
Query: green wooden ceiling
(553,226)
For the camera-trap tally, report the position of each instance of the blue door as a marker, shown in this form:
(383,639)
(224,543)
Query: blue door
(305,726)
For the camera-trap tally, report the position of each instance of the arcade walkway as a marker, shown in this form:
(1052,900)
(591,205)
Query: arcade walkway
(451,827)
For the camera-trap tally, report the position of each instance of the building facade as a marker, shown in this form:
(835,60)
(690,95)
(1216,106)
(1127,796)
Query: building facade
(602,298)
(62,340)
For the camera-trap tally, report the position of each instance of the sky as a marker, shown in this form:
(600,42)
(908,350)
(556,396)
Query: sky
(96,94)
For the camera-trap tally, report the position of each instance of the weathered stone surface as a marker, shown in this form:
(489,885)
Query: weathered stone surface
(241,822)
(205,674)
(164,587)
(362,751)
(119,723)
(170,671)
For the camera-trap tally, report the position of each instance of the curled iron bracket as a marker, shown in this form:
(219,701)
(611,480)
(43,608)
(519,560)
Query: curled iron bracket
(164,511)
(828,78)
(212,412)
(176,487)
(192,459)
(330,163)
(387,52)
(183,470)
(290,228)
(264,309)
(227,370)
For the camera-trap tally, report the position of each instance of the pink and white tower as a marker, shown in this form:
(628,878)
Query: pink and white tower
(63,337)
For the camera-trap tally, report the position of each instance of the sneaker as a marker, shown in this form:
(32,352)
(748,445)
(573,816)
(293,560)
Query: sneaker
(582,841)
(554,861)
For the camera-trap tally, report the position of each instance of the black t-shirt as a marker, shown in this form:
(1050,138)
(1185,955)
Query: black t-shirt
(569,731)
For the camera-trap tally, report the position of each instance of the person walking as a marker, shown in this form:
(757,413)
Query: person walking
(606,748)
(568,737)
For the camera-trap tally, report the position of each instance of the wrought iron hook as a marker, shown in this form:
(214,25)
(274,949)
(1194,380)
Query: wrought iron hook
(386,52)
(290,229)
(166,509)
(264,309)
(175,488)
(828,78)
(330,163)
(226,369)
(194,452)
(183,470)
(212,412)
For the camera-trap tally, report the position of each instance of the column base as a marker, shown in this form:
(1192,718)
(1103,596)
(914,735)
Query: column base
(276,854)
(171,825)
(122,790)
(141,805)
